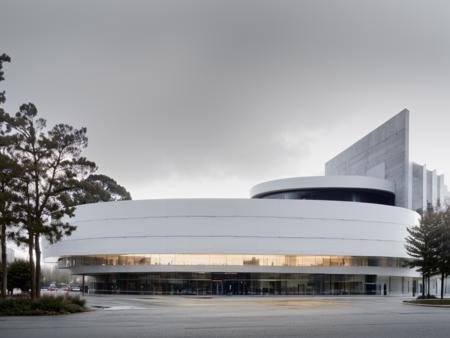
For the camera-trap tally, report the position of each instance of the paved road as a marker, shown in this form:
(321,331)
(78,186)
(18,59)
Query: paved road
(176,316)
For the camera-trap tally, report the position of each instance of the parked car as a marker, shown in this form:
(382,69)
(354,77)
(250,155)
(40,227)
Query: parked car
(75,288)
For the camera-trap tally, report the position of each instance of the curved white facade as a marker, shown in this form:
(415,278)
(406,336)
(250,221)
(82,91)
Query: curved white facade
(320,182)
(270,234)
(237,226)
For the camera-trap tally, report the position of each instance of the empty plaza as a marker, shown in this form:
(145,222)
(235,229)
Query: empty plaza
(181,316)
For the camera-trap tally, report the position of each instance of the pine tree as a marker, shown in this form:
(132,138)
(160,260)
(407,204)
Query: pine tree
(53,166)
(42,178)
(443,247)
(99,188)
(421,245)
(10,172)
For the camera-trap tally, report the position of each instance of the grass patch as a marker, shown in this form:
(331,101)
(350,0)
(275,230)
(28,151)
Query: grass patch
(46,305)
(445,301)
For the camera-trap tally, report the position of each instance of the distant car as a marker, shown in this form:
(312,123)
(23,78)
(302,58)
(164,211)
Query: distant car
(51,288)
(75,288)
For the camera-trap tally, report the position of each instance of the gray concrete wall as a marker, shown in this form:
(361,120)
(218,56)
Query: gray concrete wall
(432,194)
(419,187)
(428,188)
(441,189)
(383,152)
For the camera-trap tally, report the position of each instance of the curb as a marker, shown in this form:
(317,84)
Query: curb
(427,305)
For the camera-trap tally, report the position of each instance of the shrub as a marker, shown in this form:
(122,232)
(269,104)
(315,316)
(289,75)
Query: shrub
(15,307)
(46,305)
(49,304)
(427,297)
(24,295)
(77,300)
(73,308)
(19,275)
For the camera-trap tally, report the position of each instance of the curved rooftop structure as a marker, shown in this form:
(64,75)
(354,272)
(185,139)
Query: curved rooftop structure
(317,182)
(329,188)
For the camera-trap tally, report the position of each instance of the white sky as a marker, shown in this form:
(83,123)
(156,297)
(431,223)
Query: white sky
(207,98)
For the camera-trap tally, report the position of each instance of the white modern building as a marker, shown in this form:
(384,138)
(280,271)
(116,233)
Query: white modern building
(342,233)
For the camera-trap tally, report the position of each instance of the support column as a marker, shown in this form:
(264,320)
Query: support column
(82,285)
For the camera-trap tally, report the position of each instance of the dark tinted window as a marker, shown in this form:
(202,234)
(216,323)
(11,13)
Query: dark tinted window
(336,194)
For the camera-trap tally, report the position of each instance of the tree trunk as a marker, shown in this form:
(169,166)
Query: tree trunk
(442,285)
(37,250)
(82,285)
(423,285)
(428,289)
(4,264)
(33,270)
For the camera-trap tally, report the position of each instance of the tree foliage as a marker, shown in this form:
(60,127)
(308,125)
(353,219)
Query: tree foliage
(443,247)
(10,206)
(52,164)
(10,171)
(43,176)
(99,188)
(3,58)
(19,275)
(429,246)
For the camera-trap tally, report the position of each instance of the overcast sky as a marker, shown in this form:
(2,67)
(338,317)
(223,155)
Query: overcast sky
(207,98)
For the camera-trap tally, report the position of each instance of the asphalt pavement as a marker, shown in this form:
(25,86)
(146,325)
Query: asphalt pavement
(237,316)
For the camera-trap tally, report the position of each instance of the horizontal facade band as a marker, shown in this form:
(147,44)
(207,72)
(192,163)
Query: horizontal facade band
(338,270)
(236,226)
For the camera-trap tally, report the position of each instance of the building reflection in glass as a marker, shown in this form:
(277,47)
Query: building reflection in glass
(184,283)
(231,260)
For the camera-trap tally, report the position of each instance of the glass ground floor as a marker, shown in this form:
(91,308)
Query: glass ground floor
(177,283)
